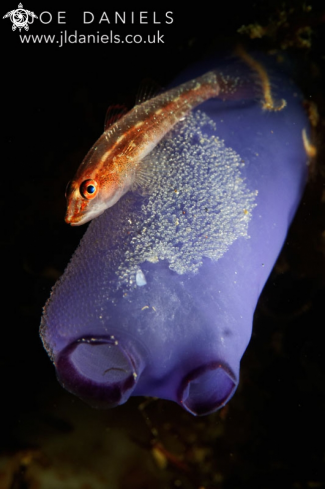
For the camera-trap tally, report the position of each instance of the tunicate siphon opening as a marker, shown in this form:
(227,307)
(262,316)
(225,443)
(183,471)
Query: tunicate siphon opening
(207,388)
(101,371)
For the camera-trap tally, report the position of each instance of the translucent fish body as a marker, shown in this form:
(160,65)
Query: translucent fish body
(116,161)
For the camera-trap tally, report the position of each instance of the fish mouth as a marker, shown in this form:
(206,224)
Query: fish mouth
(79,214)
(76,213)
(73,220)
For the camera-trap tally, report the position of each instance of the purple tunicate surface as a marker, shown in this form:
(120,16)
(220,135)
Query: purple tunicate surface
(159,297)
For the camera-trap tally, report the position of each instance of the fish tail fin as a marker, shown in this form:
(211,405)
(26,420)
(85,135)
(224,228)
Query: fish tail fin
(232,87)
(225,84)
(245,78)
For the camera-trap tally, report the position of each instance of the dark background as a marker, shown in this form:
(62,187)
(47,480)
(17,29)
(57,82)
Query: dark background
(54,100)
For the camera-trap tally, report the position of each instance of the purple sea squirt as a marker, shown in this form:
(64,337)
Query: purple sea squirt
(159,297)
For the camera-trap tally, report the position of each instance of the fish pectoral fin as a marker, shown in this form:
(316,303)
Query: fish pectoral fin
(145,176)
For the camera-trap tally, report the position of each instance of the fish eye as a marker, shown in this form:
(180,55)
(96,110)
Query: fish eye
(89,189)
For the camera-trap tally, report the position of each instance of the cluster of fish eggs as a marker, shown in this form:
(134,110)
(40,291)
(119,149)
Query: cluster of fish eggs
(195,204)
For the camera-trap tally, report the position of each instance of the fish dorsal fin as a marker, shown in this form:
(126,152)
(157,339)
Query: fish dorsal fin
(113,114)
(148,89)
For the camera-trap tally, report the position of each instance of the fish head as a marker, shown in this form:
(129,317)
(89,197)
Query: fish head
(83,203)
(92,190)
(89,198)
